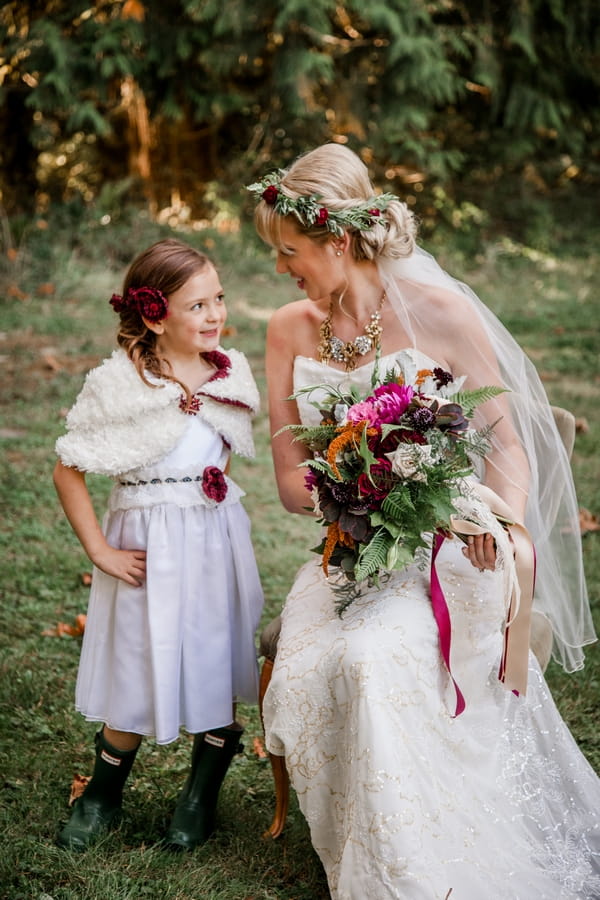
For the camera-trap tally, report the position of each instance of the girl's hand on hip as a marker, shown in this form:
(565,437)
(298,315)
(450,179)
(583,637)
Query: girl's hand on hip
(128,565)
(481,551)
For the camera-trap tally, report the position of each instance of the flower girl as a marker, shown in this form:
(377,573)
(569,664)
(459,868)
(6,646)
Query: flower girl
(176,597)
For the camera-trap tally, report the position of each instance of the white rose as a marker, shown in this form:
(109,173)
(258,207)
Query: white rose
(408,461)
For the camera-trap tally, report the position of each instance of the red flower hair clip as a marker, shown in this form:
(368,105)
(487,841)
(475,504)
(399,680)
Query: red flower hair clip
(149,302)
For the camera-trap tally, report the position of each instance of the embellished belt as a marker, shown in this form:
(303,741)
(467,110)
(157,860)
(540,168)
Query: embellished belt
(214,483)
(186,478)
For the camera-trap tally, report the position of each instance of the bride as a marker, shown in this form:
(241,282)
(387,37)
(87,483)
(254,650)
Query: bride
(404,798)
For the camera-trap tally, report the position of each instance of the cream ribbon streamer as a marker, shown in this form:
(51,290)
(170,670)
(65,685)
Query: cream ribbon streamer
(515,654)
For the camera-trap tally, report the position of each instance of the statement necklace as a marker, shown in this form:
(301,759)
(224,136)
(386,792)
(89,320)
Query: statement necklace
(332,347)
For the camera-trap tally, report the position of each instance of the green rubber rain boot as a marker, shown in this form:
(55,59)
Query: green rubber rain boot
(194,818)
(99,807)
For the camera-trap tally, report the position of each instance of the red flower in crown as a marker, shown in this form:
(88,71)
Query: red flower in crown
(214,484)
(270,194)
(374,212)
(322,216)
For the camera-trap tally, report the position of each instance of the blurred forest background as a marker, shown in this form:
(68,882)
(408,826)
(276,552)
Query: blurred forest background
(177,103)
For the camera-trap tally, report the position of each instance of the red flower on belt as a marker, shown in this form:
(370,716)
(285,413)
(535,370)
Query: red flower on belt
(214,484)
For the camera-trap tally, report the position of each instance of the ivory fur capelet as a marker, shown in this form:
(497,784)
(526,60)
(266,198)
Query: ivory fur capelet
(119,424)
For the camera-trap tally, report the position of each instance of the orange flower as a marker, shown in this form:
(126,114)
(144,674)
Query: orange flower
(422,374)
(348,434)
(335,536)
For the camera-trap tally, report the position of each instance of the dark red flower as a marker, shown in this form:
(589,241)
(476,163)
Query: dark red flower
(375,486)
(422,418)
(322,216)
(374,212)
(214,484)
(270,194)
(151,303)
(117,303)
(442,377)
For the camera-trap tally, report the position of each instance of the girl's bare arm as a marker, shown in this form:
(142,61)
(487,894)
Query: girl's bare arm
(128,565)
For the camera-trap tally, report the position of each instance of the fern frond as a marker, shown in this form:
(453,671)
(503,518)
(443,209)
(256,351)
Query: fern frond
(374,556)
(321,465)
(397,504)
(470,400)
(309,433)
(479,442)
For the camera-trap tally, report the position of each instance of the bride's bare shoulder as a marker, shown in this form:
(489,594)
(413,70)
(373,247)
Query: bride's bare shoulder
(299,314)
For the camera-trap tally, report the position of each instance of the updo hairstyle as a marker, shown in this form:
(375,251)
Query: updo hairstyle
(341,180)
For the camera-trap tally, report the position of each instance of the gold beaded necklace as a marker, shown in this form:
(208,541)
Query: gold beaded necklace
(332,347)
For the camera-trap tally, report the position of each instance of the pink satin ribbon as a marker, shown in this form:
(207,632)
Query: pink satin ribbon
(442,618)
(515,652)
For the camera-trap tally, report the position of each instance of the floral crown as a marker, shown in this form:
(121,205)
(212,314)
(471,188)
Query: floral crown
(310,212)
(149,302)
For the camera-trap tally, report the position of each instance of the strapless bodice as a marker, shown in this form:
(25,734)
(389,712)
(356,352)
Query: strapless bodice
(309,371)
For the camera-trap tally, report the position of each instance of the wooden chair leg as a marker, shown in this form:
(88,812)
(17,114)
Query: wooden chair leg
(282,796)
(280,774)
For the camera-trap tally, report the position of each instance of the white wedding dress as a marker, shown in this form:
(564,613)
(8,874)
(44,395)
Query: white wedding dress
(404,800)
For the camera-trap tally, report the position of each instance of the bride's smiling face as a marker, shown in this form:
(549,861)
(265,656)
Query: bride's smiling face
(316,268)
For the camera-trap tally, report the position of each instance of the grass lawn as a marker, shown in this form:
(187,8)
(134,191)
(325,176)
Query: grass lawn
(56,324)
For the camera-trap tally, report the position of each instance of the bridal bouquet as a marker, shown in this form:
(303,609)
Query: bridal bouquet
(386,468)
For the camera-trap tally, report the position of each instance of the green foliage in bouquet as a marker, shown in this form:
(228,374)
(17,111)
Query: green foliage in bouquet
(386,469)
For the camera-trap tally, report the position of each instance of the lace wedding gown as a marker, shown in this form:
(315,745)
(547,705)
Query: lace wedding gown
(403,800)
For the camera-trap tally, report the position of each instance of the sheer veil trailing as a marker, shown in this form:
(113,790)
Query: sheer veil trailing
(552,516)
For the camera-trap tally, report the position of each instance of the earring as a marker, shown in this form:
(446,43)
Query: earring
(338,253)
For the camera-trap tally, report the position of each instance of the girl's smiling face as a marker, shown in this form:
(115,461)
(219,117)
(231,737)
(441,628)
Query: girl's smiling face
(195,318)
(314,266)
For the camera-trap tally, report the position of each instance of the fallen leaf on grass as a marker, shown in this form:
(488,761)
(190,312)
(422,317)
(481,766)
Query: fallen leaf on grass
(62,629)
(46,289)
(15,291)
(50,360)
(78,786)
(588,521)
(259,748)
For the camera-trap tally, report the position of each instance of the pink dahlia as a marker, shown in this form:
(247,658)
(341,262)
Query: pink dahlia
(392,401)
